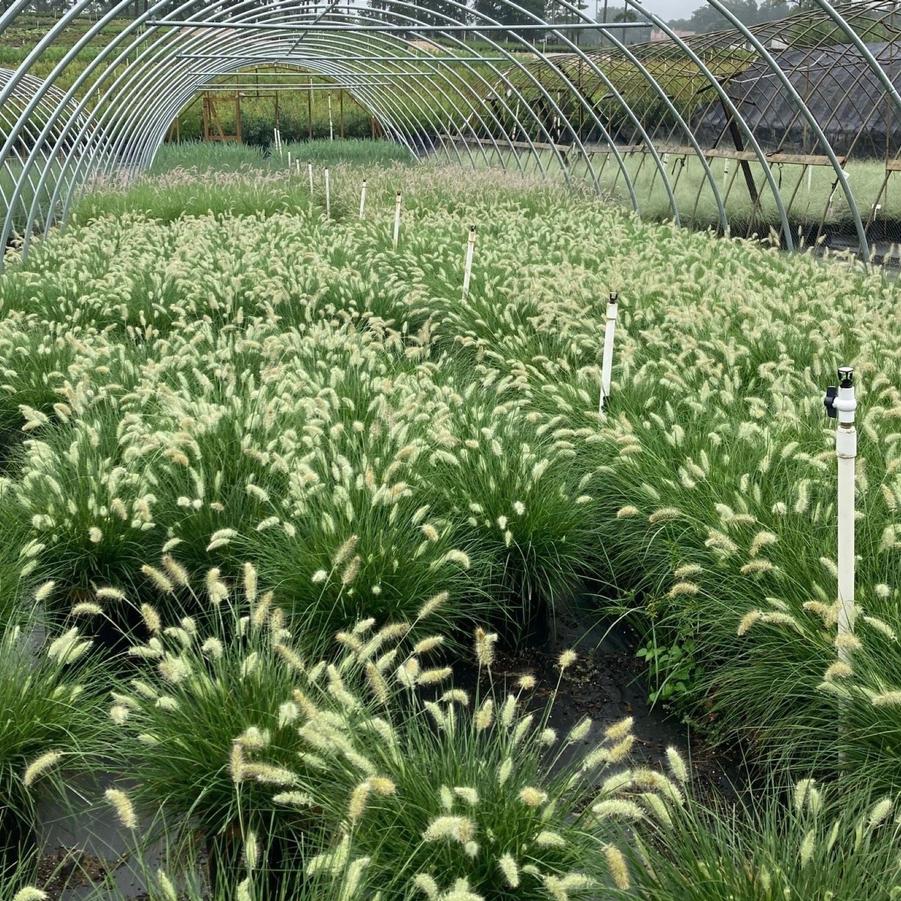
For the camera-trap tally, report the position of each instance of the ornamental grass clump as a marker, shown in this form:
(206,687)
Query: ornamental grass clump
(815,841)
(210,693)
(477,794)
(53,723)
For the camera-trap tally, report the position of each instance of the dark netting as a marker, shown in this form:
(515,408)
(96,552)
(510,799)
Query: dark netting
(837,84)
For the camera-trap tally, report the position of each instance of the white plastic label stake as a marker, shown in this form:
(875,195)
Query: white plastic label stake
(310,174)
(607,359)
(397,203)
(328,197)
(363,198)
(470,251)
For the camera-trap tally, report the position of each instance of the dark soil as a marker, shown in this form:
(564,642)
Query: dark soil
(606,683)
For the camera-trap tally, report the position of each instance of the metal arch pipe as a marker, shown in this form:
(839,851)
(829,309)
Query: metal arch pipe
(102,56)
(46,150)
(454,89)
(132,45)
(733,111)
(107,50)
(372,100)
(589,108)
(225,23)
(811,119)
(690,136)
(137,101)
(54,139)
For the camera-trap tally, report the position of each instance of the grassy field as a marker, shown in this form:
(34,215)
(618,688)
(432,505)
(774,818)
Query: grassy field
(812,198)
(278,497)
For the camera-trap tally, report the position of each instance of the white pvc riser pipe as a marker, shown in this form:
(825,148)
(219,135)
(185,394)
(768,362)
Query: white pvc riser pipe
(328,196)
(846,450)
(363,199)
(607,359)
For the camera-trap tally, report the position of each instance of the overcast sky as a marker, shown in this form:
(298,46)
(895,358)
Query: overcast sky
(672,9)
(666,9)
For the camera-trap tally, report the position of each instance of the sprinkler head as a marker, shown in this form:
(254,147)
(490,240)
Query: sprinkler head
(829,401)
(614,297)
(846,376)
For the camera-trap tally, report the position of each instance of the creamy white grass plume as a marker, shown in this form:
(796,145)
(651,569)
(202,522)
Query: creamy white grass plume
(532,796)
(177,573)
(294,799)
(251,851)
(68,648)
(566,659)
(621,750)
(617,808)
(151,618)
(122,805)
(159,579)
(507,865)
(677,765)
(619,730)
(450,828)
(484,717)
(434,676)
(166,886)
(808,846)
(484,647)
(39,766)
(616,864)
(559,887)
(86,608)
(217,590)
(580,731)
(432,604)
(879,812)
(30,893)
(44,591)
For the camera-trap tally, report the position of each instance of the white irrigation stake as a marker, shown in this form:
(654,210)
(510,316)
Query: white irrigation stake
(607,359)
(328,196)
(841,404)
(289,159)
(470,252)
(397,203)
(310,174)
(363,198)
(331,125)
(297,165)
